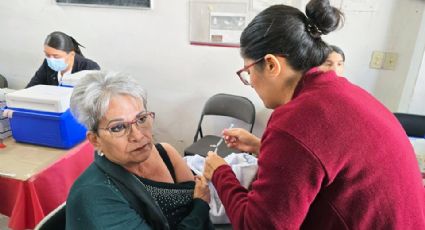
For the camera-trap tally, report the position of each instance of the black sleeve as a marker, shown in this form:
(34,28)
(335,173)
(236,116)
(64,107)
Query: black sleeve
(40,77)
(198,218)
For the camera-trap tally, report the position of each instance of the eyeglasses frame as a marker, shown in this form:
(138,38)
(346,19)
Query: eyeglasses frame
(245,68)
(130,123)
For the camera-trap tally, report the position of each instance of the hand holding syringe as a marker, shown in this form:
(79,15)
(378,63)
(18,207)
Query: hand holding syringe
(221,139)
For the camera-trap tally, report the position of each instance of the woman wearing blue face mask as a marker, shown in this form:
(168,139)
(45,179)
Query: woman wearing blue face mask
(63,56)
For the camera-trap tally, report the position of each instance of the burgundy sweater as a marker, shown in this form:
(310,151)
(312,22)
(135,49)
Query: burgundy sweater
(331,158)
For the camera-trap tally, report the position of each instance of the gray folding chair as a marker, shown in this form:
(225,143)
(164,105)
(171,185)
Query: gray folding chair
(227,105)
(3,82)
(55,220)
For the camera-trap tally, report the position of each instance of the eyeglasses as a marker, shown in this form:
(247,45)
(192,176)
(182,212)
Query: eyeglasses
(244,74)
(143,121)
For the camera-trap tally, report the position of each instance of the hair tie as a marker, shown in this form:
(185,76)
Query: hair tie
(313,30)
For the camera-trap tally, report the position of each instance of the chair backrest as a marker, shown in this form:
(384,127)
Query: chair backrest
(413,124)
(3,82)
(228,105)
(56,219)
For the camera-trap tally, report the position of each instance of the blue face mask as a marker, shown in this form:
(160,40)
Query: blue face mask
(56,64)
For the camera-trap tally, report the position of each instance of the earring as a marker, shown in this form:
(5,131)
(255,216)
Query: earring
(100,153)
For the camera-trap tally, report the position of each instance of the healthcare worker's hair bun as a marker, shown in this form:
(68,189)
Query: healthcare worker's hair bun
(322,17)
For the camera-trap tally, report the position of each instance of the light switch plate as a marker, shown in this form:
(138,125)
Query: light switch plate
(377,60)
(390,60)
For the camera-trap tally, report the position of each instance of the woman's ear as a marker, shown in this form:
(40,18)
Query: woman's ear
(71,55)
(273,65)
(93,139)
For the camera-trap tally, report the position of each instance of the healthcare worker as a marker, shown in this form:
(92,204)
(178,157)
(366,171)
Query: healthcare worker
(63,56)
(332,156)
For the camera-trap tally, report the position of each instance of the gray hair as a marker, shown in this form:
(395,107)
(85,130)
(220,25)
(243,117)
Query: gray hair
(91,95)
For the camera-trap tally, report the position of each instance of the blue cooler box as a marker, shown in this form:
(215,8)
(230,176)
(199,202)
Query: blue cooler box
(59,130)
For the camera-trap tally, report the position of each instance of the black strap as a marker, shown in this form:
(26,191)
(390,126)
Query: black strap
(164,155)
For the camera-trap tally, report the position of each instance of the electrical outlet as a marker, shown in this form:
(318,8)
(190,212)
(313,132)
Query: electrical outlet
(390,60)
(377,60)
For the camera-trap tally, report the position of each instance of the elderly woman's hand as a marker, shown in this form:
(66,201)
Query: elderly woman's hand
(212,162)
(201,189)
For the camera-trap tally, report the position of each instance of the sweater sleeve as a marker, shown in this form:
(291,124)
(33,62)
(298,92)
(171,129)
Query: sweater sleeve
(289,178)
(40,77)
(198,217)
(100,207)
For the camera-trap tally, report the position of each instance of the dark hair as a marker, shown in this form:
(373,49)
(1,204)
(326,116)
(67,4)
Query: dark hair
(285,31)
(62,41)
(338,50)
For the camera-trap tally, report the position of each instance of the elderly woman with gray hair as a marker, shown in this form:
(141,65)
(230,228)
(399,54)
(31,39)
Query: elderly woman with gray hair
(132,183)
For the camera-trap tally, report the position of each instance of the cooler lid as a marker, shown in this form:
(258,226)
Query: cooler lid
(47,98)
